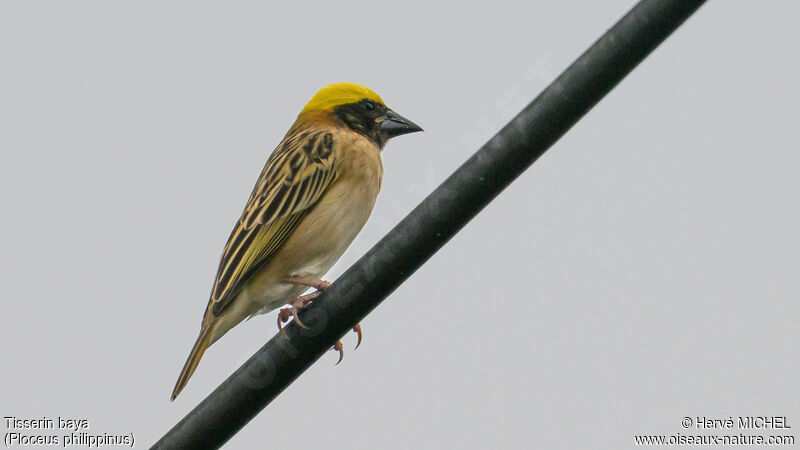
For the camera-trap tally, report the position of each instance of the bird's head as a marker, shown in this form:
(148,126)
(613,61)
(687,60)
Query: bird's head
(362,110)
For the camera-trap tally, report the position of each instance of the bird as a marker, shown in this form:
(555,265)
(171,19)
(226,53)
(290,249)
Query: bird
(315,193)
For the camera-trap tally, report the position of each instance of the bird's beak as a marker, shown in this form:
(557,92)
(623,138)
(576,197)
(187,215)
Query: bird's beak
(394,124)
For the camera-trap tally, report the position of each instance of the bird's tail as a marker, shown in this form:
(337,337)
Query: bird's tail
(200,346)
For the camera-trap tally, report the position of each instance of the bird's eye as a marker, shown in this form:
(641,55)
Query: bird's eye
(369,105)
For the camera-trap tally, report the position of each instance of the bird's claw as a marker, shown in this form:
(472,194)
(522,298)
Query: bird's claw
(357,329)
(284,315)
(339,348)
(291,311)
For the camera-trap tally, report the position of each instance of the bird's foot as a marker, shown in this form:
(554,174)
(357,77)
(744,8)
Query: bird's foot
(291,311)
(319,285)
(300,302)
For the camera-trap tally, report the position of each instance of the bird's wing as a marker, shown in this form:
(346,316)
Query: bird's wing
(296,175)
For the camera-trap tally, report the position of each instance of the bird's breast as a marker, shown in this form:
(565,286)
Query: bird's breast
(328,228)
(333,223)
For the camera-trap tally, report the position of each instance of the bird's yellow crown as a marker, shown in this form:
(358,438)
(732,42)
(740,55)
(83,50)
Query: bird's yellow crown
(334,95)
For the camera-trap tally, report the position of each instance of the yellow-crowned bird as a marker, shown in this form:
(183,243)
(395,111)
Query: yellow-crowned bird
(313,197)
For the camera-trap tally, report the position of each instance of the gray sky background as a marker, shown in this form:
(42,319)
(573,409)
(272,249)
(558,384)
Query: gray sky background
(645,269)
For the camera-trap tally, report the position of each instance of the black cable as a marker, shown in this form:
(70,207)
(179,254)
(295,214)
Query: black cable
(437,219)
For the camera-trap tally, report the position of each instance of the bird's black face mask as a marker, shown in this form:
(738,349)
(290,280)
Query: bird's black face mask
(375,121)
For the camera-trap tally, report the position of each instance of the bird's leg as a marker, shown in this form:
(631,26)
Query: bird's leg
(291,311)
(319,285)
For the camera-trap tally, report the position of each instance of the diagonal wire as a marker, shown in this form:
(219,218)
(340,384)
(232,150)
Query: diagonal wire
(426,229)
